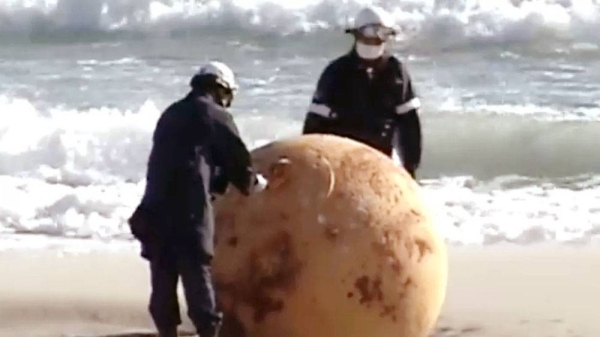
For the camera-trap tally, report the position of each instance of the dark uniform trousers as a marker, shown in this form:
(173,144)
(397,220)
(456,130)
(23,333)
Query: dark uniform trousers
(198,290)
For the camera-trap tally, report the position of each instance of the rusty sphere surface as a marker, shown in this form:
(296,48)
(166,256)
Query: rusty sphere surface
(340,244)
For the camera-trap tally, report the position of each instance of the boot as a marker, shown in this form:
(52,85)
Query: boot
(210,331)
(167,332)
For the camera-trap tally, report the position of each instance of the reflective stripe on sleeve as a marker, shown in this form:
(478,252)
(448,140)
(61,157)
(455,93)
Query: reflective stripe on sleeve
(320,109)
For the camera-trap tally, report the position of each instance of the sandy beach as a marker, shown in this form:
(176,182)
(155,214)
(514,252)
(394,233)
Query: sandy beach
(493,291)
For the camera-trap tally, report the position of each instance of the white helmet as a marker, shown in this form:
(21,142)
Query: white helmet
(221,73)
(373,15)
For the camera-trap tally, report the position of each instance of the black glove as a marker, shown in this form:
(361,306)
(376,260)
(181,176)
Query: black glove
(218,182)
(411,169)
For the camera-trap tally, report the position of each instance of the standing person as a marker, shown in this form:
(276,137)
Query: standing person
(367,94)
(197,151)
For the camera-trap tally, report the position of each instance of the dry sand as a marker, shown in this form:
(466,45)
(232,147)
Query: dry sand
(498,291)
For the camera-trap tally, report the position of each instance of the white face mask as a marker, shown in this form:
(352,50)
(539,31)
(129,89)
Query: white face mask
(369,52)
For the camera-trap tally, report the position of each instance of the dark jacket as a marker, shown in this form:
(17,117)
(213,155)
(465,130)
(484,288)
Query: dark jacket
(368,104)
(197,151)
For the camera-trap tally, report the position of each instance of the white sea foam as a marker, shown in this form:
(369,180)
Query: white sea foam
(448,21)
(72,175)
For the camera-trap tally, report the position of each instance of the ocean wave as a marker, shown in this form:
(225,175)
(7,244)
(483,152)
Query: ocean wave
(445,23)
(89,146)
(515,209)
(467,211)
(78,174)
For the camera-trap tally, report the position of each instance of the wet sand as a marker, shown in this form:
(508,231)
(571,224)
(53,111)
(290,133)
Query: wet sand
(492,292)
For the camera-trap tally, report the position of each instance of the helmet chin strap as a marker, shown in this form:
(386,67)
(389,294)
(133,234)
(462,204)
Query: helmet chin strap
(226,103)
(222,96)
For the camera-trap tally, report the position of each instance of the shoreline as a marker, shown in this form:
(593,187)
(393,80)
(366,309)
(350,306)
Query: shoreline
(502,290)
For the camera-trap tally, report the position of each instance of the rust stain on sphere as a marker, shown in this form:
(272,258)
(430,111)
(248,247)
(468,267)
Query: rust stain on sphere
(339,245)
